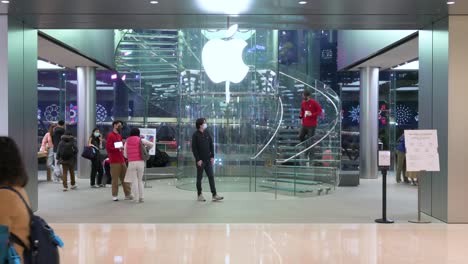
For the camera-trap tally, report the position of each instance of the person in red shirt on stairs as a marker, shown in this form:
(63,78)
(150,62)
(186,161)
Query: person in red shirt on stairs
(115,147)
(310,111)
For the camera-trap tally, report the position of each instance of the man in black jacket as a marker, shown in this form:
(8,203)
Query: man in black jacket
(203,151)
(59,131)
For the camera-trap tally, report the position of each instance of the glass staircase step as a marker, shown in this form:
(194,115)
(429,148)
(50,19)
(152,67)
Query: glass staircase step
(302,182)
(287,189)
(306,167)
(307,174)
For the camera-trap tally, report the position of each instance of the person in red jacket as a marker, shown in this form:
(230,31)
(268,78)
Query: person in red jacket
(115,147)
(310,111)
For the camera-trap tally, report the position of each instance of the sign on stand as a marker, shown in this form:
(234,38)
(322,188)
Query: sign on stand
(421,155)
(150,135)
(422,150)
(384,158)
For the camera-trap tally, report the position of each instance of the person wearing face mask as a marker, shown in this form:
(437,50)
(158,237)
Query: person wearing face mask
(203,151)
(118,168)
(95,141)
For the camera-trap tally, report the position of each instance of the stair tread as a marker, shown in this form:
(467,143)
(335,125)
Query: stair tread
(302,182)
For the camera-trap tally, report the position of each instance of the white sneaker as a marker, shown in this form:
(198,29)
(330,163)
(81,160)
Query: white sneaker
(115,199)
(74,187)
(65,189)
(217,198)
(201,198)
(141,200)
(94,186)
(130,197)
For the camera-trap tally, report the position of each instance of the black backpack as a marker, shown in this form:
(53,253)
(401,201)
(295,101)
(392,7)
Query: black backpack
(68,151)
(161,159)
(43,241)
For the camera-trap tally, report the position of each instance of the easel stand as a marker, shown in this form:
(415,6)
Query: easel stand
(384,219)
(419,221)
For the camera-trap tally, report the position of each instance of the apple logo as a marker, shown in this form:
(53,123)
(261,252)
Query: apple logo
(222,59)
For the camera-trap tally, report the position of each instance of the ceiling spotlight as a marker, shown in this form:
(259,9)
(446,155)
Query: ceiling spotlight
(302,2)
(5,1)
(154,2)
(450,2)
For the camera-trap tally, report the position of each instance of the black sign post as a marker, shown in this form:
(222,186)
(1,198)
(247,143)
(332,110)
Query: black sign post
(384,163)
(384,219)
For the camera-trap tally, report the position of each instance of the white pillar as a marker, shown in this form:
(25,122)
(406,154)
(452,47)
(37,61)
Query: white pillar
(369,100)
(86,114)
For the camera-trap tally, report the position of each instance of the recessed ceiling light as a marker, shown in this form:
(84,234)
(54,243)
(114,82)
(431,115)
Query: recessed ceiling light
(154,2)
(302,2)
(450,2)
(5,1)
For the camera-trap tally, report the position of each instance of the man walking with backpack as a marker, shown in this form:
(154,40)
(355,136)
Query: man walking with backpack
(57,134)
(66,155)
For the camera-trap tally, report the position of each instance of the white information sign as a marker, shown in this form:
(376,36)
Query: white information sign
(384,158)
(422,150)
(150,135)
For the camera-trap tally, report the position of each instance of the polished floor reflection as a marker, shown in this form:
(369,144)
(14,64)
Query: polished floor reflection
(263,243)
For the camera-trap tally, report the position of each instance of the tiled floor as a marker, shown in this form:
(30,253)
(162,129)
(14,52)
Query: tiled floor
(258,243)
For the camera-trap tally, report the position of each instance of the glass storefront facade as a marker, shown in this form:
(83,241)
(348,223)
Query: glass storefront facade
(161,83)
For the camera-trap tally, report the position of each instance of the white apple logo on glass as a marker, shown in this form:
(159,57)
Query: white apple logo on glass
(222,60)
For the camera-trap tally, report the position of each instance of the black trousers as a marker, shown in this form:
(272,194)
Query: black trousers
(208,168)
(96,168)
(308,131)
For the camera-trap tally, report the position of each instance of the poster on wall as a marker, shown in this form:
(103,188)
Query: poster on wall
(150,135)
(422,150)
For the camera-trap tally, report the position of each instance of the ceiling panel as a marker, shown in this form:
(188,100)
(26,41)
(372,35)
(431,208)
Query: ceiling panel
(55,53)
(405,52)
(323,14)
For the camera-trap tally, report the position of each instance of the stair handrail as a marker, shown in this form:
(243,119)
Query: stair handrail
(276,131)
(332,128)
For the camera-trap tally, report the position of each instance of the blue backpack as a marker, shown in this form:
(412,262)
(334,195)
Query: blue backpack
(42,239)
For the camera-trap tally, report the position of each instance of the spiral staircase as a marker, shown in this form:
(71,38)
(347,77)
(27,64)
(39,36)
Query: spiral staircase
(149,60)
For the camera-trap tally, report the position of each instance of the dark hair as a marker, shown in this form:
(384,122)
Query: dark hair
(199,122)
(306,93)
(135,132)
(68,133)
(61,123)
(116,122)
(12,171)
(94,130)
(51,129)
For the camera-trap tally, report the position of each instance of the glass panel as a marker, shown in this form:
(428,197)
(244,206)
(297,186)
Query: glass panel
(242,127)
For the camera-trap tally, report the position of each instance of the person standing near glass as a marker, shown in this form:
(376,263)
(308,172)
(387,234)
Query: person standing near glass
(203,151)
(48,147)
(118,168)
(95,141)
(136,163)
